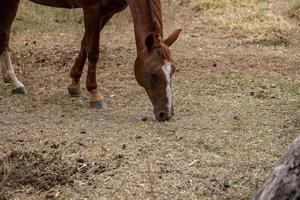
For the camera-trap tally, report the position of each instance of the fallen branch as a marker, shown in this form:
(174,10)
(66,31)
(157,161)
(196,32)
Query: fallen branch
(284,182)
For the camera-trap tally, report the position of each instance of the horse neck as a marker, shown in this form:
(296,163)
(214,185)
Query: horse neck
(146,20)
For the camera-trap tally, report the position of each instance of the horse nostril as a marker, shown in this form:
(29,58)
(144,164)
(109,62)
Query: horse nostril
(163,116)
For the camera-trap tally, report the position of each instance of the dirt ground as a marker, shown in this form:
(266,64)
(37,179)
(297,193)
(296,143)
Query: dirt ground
(236,104)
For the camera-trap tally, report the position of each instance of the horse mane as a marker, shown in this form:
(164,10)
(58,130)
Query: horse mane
(165,52)
(156,16)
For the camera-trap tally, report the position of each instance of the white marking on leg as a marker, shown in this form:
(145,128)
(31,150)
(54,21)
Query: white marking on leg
(167,70)
(9,75)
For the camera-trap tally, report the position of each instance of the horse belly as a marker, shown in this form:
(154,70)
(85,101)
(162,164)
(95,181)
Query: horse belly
(66,3)
(113,6)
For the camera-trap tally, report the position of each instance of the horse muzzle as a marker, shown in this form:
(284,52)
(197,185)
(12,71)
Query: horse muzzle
(163,116)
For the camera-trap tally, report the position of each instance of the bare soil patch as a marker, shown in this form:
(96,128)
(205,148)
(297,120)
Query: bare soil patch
(23,169)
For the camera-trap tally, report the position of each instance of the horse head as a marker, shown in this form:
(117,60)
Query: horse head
(153,69)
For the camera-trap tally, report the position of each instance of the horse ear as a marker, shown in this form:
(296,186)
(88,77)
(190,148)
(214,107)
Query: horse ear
(172,38)
(149,41)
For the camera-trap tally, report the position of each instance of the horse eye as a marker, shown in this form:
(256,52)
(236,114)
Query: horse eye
(154,79)
(153,76)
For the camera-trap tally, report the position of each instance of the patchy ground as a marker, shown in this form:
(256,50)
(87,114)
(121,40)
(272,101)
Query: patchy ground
(236,103)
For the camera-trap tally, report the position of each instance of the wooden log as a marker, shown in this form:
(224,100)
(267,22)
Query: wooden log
(284,182)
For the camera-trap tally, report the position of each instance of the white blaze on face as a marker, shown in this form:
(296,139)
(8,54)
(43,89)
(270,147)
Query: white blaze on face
(167,70)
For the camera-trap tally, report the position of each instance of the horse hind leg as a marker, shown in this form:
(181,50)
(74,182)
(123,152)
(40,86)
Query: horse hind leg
(74,88)
(9,75)
(8,10)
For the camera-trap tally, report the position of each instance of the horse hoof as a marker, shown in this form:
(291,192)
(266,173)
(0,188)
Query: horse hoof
(20,90)
(75,93)
(98,104)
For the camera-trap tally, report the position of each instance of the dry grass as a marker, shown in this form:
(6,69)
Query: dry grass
(237,109)
(41,18)
(295,9)
(248,18)
(34,18)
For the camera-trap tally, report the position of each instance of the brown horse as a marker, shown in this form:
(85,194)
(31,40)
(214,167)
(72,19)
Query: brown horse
(153,66)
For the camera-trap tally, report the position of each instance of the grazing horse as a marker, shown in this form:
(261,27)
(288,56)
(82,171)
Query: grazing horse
(153,66)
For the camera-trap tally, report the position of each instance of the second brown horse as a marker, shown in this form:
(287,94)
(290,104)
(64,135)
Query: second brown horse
(153,66)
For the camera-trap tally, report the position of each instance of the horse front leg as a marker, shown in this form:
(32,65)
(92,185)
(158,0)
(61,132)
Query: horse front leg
(8,11)
(92,20)
(76,72)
